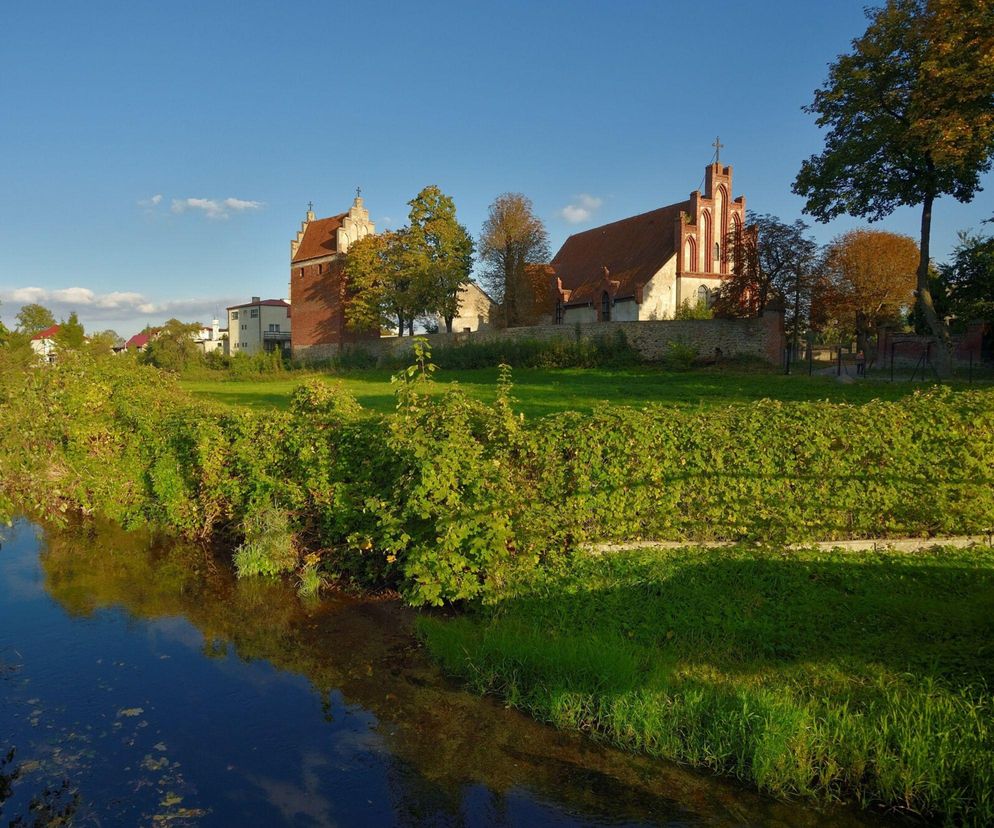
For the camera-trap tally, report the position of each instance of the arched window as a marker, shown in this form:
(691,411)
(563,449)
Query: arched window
(605,307)
(708,229)
(703,295)
(690,256)
(717,251)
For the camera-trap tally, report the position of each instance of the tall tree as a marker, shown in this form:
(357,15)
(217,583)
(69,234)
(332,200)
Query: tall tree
(34,318)
(440,251)
(512,238)
(383,286)
(868,278)
(70,335)
(910,117)
(771,259)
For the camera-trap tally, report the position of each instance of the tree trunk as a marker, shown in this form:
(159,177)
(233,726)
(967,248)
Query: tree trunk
(448,324)
(797,315)
(400,324)
(861,332)
(937,326)
(410,327)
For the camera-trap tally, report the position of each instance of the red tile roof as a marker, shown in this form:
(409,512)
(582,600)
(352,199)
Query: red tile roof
(320,238)
(139,340)
(269,303)
(48,333)
(632,250)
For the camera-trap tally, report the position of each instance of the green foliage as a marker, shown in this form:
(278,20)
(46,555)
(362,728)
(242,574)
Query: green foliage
(70,335)
(440,252)
(269,547)
(611,351)
(698,310)
(970,278)
(428,499)
(839,675)
(173,348)
(33,318)
(679,356)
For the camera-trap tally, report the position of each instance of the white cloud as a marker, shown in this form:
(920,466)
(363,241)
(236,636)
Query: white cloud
(582,208)
(102,310)
(214,208)
(154,201)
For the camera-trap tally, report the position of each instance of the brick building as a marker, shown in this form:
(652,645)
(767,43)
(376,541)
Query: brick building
(646,266)
(318,292)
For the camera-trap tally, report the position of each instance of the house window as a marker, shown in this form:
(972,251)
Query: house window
(244,327)
(254,313)
(605,307)
(560,313)
(234,314)
(274,328)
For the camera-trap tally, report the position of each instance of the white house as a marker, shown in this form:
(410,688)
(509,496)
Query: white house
(43,343)
(259,325)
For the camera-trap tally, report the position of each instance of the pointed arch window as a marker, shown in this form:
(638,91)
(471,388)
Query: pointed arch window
(605,307)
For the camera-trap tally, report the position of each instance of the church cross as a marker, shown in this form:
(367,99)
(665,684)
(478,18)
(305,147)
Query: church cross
(358,192)
(718,146)
(310,206)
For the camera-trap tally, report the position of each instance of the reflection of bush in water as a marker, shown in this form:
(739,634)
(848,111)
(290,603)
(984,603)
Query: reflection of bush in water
(443,738)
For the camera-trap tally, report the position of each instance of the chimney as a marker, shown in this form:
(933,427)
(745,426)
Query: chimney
(256,300)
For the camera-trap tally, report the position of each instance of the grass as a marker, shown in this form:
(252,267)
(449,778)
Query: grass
(547,391)
(833,675)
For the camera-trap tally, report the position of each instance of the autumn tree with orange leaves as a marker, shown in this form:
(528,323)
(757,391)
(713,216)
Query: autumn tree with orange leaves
(868,277)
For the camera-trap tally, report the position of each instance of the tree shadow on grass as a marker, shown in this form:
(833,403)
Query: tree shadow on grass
(750,612)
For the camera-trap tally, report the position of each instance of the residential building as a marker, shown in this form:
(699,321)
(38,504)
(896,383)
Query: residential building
(259,325)
(475,310)
(214,338)
(43,343)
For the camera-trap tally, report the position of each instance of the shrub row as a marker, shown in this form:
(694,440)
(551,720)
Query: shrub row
(447,497)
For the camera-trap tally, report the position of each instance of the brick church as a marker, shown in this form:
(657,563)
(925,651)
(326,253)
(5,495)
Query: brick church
(317,281)
(647,266)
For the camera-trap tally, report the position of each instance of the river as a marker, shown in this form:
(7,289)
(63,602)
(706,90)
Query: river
(142,684)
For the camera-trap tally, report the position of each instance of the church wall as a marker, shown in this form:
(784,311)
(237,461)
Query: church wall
(625,310)
(583,315)
(687,287)
(659,294)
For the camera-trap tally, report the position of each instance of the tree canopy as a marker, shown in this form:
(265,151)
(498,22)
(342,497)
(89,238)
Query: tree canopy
(969,278)
(174,346)
(33,318)
(868,277)
(383,287)
(512,238)
(70,335)
(910,117)
(771,260)
(439,251)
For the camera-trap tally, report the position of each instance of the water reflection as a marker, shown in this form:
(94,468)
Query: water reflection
(167,692)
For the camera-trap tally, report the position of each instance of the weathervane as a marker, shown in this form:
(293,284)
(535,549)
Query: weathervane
(717,148)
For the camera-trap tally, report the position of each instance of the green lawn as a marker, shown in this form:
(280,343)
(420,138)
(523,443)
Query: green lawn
(546,391)
(848,675)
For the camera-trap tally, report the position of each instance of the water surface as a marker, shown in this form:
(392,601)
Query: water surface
(141,684)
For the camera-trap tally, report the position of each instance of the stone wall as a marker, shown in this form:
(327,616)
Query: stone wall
(761,337)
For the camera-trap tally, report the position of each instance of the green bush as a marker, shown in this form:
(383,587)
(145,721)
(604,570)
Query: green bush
(448,499)
(269,547)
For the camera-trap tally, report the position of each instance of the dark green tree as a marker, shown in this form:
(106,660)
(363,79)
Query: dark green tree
(910,117)
(970,278)
(70,336)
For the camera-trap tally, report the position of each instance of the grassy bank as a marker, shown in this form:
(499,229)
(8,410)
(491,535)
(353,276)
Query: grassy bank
(551,391)
(832,675)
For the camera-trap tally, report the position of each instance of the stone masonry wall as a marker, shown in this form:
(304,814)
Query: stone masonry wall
(762,337)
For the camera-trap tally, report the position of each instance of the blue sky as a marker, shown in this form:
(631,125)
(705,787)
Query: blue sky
(158,157)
